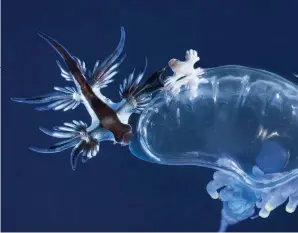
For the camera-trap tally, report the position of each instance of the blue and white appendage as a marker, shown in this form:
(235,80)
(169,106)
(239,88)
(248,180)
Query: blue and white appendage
(241,202)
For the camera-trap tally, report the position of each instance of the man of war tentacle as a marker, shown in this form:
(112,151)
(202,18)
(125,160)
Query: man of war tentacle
(241,202)
(109,119)
(237,120)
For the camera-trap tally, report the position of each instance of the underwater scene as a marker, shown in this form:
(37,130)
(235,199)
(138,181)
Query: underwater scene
(150,116)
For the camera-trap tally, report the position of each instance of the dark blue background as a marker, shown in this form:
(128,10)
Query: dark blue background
(115,191)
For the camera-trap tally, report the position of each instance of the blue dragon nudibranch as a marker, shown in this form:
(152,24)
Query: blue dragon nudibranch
(109,120)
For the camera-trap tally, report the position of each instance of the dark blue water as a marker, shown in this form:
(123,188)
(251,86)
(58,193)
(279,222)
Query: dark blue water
(116,191)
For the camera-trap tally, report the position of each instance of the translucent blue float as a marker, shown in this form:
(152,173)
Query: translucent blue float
(237,120)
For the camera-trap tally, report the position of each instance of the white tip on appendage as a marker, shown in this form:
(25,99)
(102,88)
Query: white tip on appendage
(269,207)
(292,204)
(214,195)
(290,208)
(264,213)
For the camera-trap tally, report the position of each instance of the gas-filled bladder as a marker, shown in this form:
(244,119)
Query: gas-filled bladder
(237,120)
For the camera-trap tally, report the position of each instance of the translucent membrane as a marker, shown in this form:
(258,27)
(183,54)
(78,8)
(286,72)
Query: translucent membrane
(235,119)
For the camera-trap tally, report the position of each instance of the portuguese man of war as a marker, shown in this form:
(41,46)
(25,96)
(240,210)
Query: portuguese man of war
(254,174)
